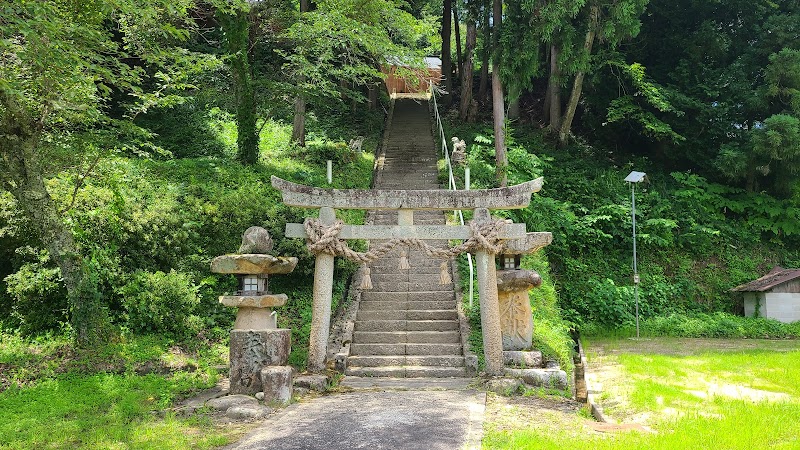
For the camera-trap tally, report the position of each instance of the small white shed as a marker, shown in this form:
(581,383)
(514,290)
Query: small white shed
(776,295)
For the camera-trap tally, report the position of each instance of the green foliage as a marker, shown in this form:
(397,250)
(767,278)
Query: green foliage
(340,45)
(160,303)
(633,105)
(236,28)
(699,325)
(150,228)
(69,72)
(188,130)
(734,86)
(696,238)
(37,298)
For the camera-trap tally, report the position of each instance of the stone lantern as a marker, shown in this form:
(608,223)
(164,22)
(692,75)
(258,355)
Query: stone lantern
(259,351)
(513,283)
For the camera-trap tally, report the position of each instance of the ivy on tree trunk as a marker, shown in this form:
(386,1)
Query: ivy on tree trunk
(554,89)
(23,175)
(237,37)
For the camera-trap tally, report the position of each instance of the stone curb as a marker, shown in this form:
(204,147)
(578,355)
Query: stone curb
(470,359)
(475,427)
(594,408)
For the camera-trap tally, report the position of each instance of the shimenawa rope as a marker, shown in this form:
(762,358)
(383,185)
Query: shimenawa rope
(324,239)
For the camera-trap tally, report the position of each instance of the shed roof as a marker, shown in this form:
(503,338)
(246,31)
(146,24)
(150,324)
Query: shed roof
(776,276)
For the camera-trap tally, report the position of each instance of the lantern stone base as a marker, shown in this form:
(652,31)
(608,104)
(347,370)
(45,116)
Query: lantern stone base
(550,378)
(522,359)
(251,351)
(276,381)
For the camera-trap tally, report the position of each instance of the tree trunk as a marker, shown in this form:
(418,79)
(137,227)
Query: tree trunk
(577,85)
(372,96)
(513,109)
(554,89)
(487,37)
(299,124)
(467,72)
(751,184)
(498,104)
(547,92)
(499,128)
(22,175)
(457,29)
(447,69)
(237,33)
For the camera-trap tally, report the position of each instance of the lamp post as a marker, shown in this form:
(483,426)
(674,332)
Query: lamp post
(633,178)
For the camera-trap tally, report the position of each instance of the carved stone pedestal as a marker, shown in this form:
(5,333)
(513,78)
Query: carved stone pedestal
(251,351)
(516,316)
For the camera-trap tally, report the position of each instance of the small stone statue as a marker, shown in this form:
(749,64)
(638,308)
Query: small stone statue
(256,240)
(355,144)
(459,151)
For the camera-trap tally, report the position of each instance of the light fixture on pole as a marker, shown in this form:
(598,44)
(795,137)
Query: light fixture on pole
(633,178)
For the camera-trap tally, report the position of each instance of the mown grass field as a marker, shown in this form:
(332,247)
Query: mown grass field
(115,397)
(674,394)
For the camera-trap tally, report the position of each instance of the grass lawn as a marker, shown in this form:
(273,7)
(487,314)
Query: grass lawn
(672,393)
(52,396)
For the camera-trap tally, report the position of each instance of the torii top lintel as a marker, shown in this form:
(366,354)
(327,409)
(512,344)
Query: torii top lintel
(513,197)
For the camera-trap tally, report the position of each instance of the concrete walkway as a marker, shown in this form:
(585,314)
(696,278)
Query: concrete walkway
(411,419)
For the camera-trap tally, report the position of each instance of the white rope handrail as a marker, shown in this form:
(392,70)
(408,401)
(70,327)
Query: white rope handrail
(451,180)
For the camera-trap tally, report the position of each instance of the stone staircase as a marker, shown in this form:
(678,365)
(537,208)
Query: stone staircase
(407,325)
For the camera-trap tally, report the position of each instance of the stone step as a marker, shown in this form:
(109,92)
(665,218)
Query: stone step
(416,296)
(403,337)
(418,265)
(406,360)
(406,325)
(411,286)
(408,372)
(407,314)
(375,305)
(395,270)
(408,276)
(410,172)
(405,349)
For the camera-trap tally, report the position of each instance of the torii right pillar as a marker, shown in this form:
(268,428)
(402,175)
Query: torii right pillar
(490,305)
(491,323)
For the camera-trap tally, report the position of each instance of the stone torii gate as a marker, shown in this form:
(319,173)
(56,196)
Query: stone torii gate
(484,236)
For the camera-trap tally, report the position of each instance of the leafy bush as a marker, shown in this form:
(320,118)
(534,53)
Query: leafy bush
(160,302)
(38,301)
(701,325)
